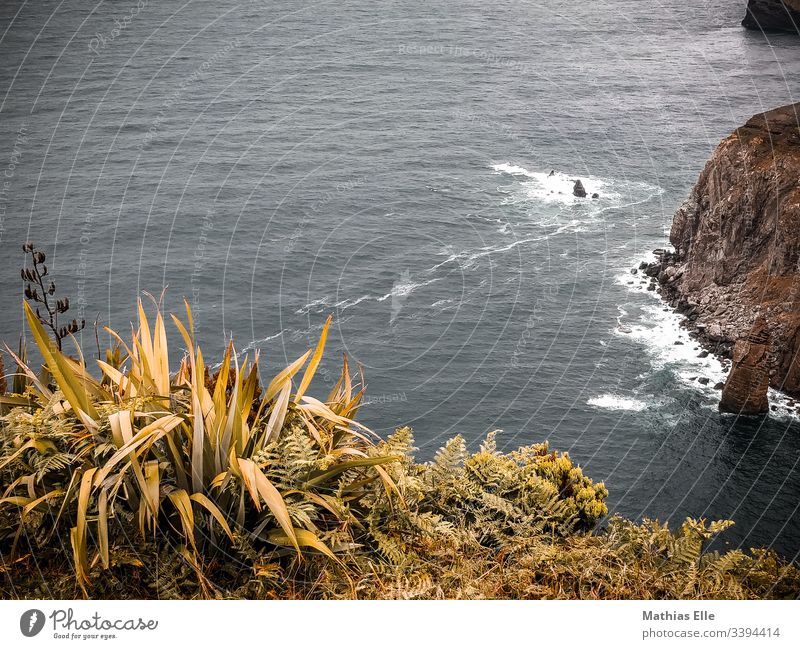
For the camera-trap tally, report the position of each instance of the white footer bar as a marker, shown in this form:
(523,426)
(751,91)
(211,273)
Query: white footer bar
(349,624)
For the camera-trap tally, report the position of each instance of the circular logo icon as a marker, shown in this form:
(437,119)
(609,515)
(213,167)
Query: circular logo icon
(31,622)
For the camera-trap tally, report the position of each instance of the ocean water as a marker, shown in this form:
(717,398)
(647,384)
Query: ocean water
(389,163)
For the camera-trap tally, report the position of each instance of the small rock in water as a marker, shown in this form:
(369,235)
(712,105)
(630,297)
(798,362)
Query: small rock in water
(692,378)
(595,195)
(634,271)
(578,189)
(678,342)
(703,380)
(653,270)
(703,354)
(719,386)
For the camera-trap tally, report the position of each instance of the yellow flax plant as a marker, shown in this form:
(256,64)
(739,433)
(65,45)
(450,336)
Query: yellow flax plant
(210,459)
(80,391)
(62,387)
(188,455)
(236,445)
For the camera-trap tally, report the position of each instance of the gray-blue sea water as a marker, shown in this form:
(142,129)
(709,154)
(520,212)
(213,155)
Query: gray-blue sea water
(388,163)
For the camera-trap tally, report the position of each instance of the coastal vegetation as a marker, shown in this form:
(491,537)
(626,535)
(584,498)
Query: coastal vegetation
(128,477)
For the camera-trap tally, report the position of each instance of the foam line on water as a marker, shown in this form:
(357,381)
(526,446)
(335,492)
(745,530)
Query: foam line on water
(467,258)
(405,288)
(616,402)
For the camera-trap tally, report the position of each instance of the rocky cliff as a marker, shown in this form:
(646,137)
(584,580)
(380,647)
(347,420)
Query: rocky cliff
(737,246)
(773,15)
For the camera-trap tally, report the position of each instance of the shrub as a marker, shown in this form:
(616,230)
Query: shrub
(208,464)
(147,482)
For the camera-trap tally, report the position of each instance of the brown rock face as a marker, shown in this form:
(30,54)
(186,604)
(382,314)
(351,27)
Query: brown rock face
(773,15)
(745,390)
(737,243)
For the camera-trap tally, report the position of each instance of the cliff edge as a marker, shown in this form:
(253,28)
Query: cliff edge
(773,15)
(737,246)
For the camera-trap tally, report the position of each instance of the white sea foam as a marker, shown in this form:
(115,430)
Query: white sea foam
(405,288)
(342,305)
(257,343)
(556,188)
(325,303)
(658,329)
(317,304)
(467,259)
(615,402)
(400,289)
(670,344)
(514,170)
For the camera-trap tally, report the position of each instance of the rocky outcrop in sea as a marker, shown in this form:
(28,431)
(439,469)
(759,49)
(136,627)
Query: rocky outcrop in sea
(773,15)
(737,253)
(745,390)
